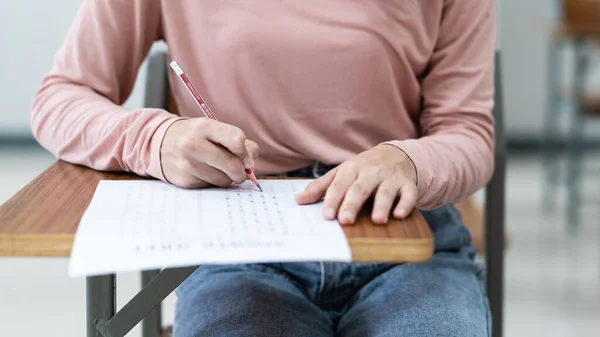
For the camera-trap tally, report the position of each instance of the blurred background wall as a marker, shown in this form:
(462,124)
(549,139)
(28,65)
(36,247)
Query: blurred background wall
(31,31)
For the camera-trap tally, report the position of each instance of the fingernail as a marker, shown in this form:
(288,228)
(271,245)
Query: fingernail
(329,213)
(380,216)
(346,216)
(401,212)
(248,162)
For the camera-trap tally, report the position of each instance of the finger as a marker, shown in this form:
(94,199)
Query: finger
(253,152)
(316,189)
(196,175)
(184,179)
(214,176)
(334,195)
(233,139)
(408,199)
(253,149)
(221,159)
(360,190)
(384,200)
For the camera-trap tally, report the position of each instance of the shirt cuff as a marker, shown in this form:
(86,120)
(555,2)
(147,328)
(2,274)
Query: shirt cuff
(155,166)
(415,153)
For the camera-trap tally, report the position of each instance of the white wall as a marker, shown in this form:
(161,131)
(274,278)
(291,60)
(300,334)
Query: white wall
(32,30)
(30,33)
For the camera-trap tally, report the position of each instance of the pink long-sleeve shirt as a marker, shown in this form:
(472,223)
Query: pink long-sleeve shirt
(307,80)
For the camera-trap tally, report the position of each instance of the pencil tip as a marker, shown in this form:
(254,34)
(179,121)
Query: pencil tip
(258,185)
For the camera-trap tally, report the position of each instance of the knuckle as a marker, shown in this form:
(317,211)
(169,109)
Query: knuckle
(205,124)
(187,143)
(253,148)
(376,172)
(387,193)
(239,137)
(334,188)
(349,167)
(332,197)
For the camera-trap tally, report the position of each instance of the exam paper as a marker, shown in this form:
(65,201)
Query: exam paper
(139,225)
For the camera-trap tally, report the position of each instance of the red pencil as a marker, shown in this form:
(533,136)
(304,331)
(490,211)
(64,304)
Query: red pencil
(204,107)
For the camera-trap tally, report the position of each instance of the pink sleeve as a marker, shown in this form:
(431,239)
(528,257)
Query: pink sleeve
(455,156)
(76,114)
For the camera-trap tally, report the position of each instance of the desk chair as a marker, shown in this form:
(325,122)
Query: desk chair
(579,28)
(158,96)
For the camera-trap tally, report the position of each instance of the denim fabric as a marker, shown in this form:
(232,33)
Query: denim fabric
(444,296)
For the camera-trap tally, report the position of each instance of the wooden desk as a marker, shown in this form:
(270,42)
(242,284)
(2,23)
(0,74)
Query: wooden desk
(41,220)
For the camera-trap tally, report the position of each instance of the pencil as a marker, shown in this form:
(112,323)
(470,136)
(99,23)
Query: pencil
(204,107)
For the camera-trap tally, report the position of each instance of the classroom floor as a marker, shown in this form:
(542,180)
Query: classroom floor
(552,279)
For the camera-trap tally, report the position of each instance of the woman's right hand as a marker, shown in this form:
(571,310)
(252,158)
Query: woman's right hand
(199,152)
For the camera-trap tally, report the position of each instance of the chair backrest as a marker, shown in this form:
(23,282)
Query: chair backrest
(157,82)
(495,212)
(158,92)
(499,105)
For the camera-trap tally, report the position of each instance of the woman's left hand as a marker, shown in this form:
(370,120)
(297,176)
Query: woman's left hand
(385,171)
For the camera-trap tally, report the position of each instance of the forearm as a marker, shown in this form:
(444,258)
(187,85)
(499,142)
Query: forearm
(77,112)
(455,156)
(79,126)
(451,165)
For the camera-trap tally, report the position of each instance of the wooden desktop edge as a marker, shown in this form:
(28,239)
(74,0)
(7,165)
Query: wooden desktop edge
(364,249)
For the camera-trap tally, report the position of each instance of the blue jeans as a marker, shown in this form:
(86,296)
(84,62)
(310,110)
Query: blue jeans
(444,296)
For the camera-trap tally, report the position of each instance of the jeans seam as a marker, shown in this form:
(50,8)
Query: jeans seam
(485,302)
(321,288)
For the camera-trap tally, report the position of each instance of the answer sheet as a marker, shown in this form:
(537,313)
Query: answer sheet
(142,224)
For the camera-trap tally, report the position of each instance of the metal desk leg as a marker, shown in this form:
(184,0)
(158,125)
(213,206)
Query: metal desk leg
(144,302)
(100,300)
(575,151)
(152,323)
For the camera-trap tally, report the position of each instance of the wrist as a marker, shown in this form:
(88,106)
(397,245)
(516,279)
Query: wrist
(405,161)
(168,138)
(159,148)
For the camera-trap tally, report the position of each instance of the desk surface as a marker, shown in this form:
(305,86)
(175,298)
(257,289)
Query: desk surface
(42,218)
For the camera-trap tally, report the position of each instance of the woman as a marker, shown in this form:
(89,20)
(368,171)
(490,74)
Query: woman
(388,98)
